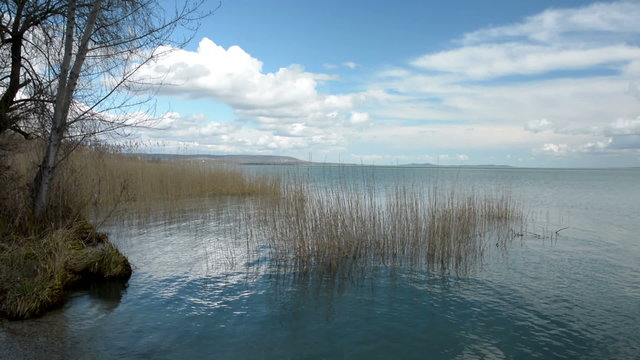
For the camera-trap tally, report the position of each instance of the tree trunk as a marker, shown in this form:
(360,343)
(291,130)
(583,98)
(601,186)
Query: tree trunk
(44,178)
(67,82)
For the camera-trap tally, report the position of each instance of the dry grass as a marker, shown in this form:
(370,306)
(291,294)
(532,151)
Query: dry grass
(314,229)
(36,271)
(94,181)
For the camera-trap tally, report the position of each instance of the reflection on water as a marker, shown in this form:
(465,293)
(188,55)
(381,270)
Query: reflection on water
(197,292)
(106,293)
(50,336)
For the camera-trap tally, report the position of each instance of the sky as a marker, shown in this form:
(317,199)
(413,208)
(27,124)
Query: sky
(522,83)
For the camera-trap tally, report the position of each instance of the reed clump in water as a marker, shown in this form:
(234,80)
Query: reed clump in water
(313,229)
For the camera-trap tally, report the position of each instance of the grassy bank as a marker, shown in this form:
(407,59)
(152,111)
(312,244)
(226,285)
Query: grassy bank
(40,261)
(37,270)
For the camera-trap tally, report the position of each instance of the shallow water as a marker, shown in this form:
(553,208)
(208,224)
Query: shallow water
(196,293)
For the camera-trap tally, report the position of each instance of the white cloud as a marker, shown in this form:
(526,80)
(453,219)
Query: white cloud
(556,149)
(438,104)
(394,73)
(494,60)
(236,78)
(232,76)
(350,64)
(598,146)
(573,104)
(632,69)
(557,39)
(623,127)
(195,134)
(358,117)
(598,22)
(446,92)
(347,64)
(537,126)
(281,104)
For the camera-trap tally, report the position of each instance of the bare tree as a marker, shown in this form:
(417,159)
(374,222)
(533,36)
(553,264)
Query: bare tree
(24,34)
(91,62)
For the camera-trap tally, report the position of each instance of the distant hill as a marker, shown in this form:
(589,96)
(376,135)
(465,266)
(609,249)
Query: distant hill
(288,160)
(260,160)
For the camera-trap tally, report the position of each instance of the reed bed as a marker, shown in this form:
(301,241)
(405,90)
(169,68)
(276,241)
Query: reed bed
(96,181)
(313,228)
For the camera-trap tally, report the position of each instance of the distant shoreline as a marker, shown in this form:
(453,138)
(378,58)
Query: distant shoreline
(289,160)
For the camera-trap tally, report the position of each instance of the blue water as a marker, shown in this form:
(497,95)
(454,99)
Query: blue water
(197,294)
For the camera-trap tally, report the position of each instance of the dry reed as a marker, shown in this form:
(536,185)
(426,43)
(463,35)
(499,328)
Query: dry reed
(323,229)
(94,181)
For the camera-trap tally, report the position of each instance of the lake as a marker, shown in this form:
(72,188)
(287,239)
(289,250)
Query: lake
(568,288)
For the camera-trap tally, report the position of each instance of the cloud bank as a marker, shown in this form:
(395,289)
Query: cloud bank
(559,84)
(275,111)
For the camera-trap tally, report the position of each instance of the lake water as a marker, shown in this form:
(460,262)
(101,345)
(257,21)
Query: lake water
(195,293)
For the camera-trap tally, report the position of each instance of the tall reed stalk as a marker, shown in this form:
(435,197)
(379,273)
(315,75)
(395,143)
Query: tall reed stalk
(317,228)
(96,180)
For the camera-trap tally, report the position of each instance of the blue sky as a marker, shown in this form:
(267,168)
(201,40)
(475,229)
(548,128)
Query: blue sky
(536,83)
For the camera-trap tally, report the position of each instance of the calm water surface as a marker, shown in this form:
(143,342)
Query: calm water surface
(195,293)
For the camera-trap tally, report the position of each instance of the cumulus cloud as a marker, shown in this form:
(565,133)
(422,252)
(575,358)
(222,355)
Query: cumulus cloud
(537,126)
(173,126)
(556,149)
(232,76)
(280,110)
(598,146)
(358,117)
(174,132)
(609,145)
(229,75)
(623,127)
